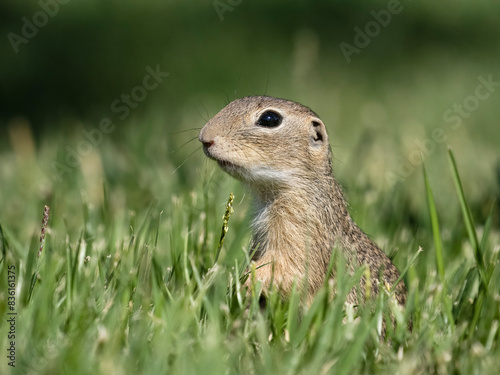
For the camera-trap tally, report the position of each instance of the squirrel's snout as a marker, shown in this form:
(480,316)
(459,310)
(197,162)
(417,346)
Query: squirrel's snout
(203,139)
(207,144)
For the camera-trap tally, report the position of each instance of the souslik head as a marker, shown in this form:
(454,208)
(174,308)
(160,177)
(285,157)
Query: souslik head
(280,149)
(268,143)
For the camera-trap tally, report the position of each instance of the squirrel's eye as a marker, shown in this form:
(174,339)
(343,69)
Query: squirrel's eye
(269,119)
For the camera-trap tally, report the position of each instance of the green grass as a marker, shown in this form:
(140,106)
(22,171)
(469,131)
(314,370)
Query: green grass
(136,279)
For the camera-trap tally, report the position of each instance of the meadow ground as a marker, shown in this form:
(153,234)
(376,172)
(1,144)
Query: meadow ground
(129,280)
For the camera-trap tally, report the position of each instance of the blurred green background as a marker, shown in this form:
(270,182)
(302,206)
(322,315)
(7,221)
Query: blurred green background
(62,82)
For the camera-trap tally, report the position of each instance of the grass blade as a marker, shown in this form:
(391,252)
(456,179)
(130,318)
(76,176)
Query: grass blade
(469,222)
(31,270)
(438,244)
(408,265)
(487,227)
(3,245)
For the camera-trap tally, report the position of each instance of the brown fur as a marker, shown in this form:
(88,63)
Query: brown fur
(301,214)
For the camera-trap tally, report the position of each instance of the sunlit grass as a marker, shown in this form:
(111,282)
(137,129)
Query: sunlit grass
(158,289)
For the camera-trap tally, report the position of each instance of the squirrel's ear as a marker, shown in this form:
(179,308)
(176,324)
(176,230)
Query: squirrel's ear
(317,132)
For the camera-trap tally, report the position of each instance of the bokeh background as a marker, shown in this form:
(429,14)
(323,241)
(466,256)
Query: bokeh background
(60,81)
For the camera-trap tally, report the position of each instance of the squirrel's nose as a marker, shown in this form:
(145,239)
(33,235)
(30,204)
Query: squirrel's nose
(207,144)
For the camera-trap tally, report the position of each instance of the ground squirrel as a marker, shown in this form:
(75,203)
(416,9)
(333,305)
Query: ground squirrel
(280,150)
